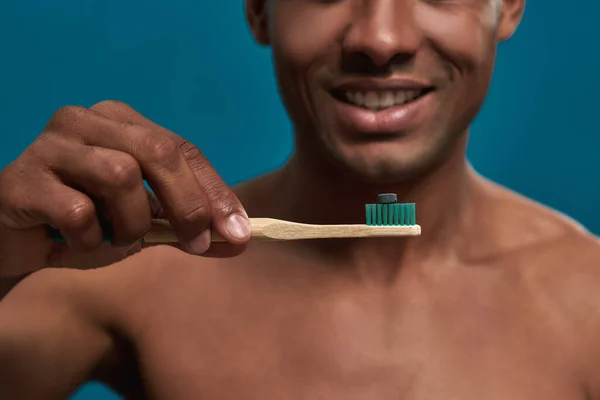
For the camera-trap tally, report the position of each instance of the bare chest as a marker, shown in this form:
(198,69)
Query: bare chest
(359,351)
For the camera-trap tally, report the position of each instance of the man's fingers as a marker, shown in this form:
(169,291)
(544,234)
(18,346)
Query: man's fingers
(35,196)
(68,210)
(162,163)
(227,215)
(111,176)
(218,249)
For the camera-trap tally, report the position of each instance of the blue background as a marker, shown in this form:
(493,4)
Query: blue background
(192,67)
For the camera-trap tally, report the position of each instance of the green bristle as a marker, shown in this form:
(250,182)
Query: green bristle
(391,214)
(402,215)
(413,213)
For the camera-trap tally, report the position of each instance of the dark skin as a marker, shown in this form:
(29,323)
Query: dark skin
(497,299)
(515,321)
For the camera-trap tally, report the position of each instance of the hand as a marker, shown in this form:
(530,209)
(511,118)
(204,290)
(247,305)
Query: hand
(91,162)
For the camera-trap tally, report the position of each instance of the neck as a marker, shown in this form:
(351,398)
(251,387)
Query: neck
(312,193)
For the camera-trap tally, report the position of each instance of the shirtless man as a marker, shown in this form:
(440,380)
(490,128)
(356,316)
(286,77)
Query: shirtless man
(497,299)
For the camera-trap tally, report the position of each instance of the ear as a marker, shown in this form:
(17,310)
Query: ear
(511,12)
(257,15)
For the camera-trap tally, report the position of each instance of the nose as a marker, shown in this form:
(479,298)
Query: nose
(383,30)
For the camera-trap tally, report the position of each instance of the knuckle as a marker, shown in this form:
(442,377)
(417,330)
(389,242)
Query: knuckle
(66,115)
(127,126)
(78,214)
(109,105)
(124,173)
(150,146)
(40,146)
(162,149)
(221,197)
(115,110)
(190,151)
(195,158)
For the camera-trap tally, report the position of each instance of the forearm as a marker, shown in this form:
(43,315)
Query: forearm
(48,345)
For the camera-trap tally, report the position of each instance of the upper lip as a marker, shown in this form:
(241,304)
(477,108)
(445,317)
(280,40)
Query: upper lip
(372,84)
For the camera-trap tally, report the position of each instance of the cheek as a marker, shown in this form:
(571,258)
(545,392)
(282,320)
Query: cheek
(304,32)
(464,36)
(304,40)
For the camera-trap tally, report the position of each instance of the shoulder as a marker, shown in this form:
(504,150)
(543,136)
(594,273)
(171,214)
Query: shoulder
(45,321)
(556,258)
(510,223)
(545,244)
(108,295)
(557,261)
(567,268)
(157,285)
(49,287)
(562,279)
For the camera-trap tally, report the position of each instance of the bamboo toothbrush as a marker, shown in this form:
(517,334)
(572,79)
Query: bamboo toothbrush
(387,218)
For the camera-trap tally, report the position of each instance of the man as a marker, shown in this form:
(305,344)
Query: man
(497,299)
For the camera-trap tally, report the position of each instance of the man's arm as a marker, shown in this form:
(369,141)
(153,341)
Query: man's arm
(49,341)
(9,282)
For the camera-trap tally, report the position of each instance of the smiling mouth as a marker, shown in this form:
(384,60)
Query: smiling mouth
(379,100)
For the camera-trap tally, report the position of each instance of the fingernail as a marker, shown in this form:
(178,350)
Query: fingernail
(201,243)
(238,227)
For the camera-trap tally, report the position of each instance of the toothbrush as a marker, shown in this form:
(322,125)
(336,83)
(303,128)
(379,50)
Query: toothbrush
(387,218)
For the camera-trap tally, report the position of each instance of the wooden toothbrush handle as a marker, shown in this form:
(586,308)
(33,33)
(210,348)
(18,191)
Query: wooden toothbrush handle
(161,231)
(267,229)
(274,229)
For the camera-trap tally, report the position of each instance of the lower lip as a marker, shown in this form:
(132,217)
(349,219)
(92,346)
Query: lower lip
(394,120)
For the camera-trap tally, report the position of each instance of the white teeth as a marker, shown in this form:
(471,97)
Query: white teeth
(387,99)
(400,97)
(359,99)
(383,99)
(372,100)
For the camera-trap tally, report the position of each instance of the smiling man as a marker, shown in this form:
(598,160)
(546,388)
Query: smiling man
(497,299)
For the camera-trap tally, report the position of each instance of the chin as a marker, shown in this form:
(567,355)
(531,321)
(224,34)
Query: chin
(384,166)
(391,161)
